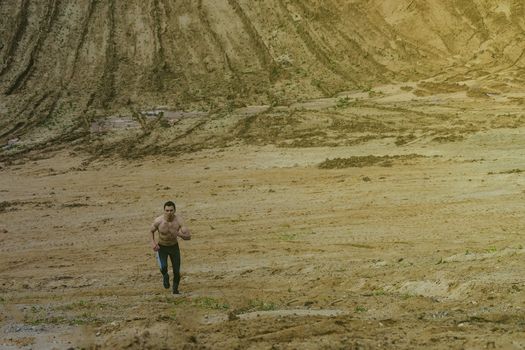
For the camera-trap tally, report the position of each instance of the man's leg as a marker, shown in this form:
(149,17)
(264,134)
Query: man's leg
(175,264)
(162,258)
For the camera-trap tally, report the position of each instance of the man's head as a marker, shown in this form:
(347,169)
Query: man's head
(169,208)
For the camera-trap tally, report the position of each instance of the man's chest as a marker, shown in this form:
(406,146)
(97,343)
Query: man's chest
(169,226)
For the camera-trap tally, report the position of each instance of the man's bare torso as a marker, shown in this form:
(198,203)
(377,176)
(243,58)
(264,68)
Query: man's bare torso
(168,230)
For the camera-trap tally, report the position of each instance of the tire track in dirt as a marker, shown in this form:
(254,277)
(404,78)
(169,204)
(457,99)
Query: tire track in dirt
(49,19)
(260,46)
(18,33)
(203,16)
(106,89)
(315,49)
(83,35)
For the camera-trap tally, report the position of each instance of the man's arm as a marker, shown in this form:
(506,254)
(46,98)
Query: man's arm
(184,231)
(154,227)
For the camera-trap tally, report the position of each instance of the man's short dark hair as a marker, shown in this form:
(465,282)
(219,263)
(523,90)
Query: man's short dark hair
(169,204)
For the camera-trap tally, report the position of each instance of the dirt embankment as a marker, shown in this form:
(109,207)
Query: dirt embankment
(62,64)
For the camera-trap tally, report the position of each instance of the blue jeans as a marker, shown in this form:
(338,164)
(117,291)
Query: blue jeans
(162,257)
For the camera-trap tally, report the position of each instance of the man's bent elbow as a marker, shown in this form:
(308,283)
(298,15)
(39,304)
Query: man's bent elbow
(185,234)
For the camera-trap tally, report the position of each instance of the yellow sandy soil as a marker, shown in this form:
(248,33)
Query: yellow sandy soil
(420,251)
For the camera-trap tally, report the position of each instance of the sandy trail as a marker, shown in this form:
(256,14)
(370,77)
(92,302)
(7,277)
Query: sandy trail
(424,252)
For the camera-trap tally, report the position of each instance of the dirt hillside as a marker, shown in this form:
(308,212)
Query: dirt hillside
(63,63)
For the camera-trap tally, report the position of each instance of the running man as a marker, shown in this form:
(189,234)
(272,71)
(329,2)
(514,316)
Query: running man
(169,226)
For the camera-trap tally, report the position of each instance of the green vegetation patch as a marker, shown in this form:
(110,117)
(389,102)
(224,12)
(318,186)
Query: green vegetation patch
(448,138)
(363,161)
(8,205)
(39,316)
(210,303)
(513,171)
(442,87)
(292,236)
(260,305)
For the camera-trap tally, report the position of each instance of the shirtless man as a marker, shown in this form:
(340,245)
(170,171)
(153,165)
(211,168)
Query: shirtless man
(169,226)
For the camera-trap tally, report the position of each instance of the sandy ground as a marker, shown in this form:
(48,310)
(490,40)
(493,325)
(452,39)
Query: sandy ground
(426,252)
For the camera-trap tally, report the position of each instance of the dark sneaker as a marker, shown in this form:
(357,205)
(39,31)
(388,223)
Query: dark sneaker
(176,291)
(166,281)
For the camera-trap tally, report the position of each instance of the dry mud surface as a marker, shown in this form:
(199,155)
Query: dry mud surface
(412,242)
